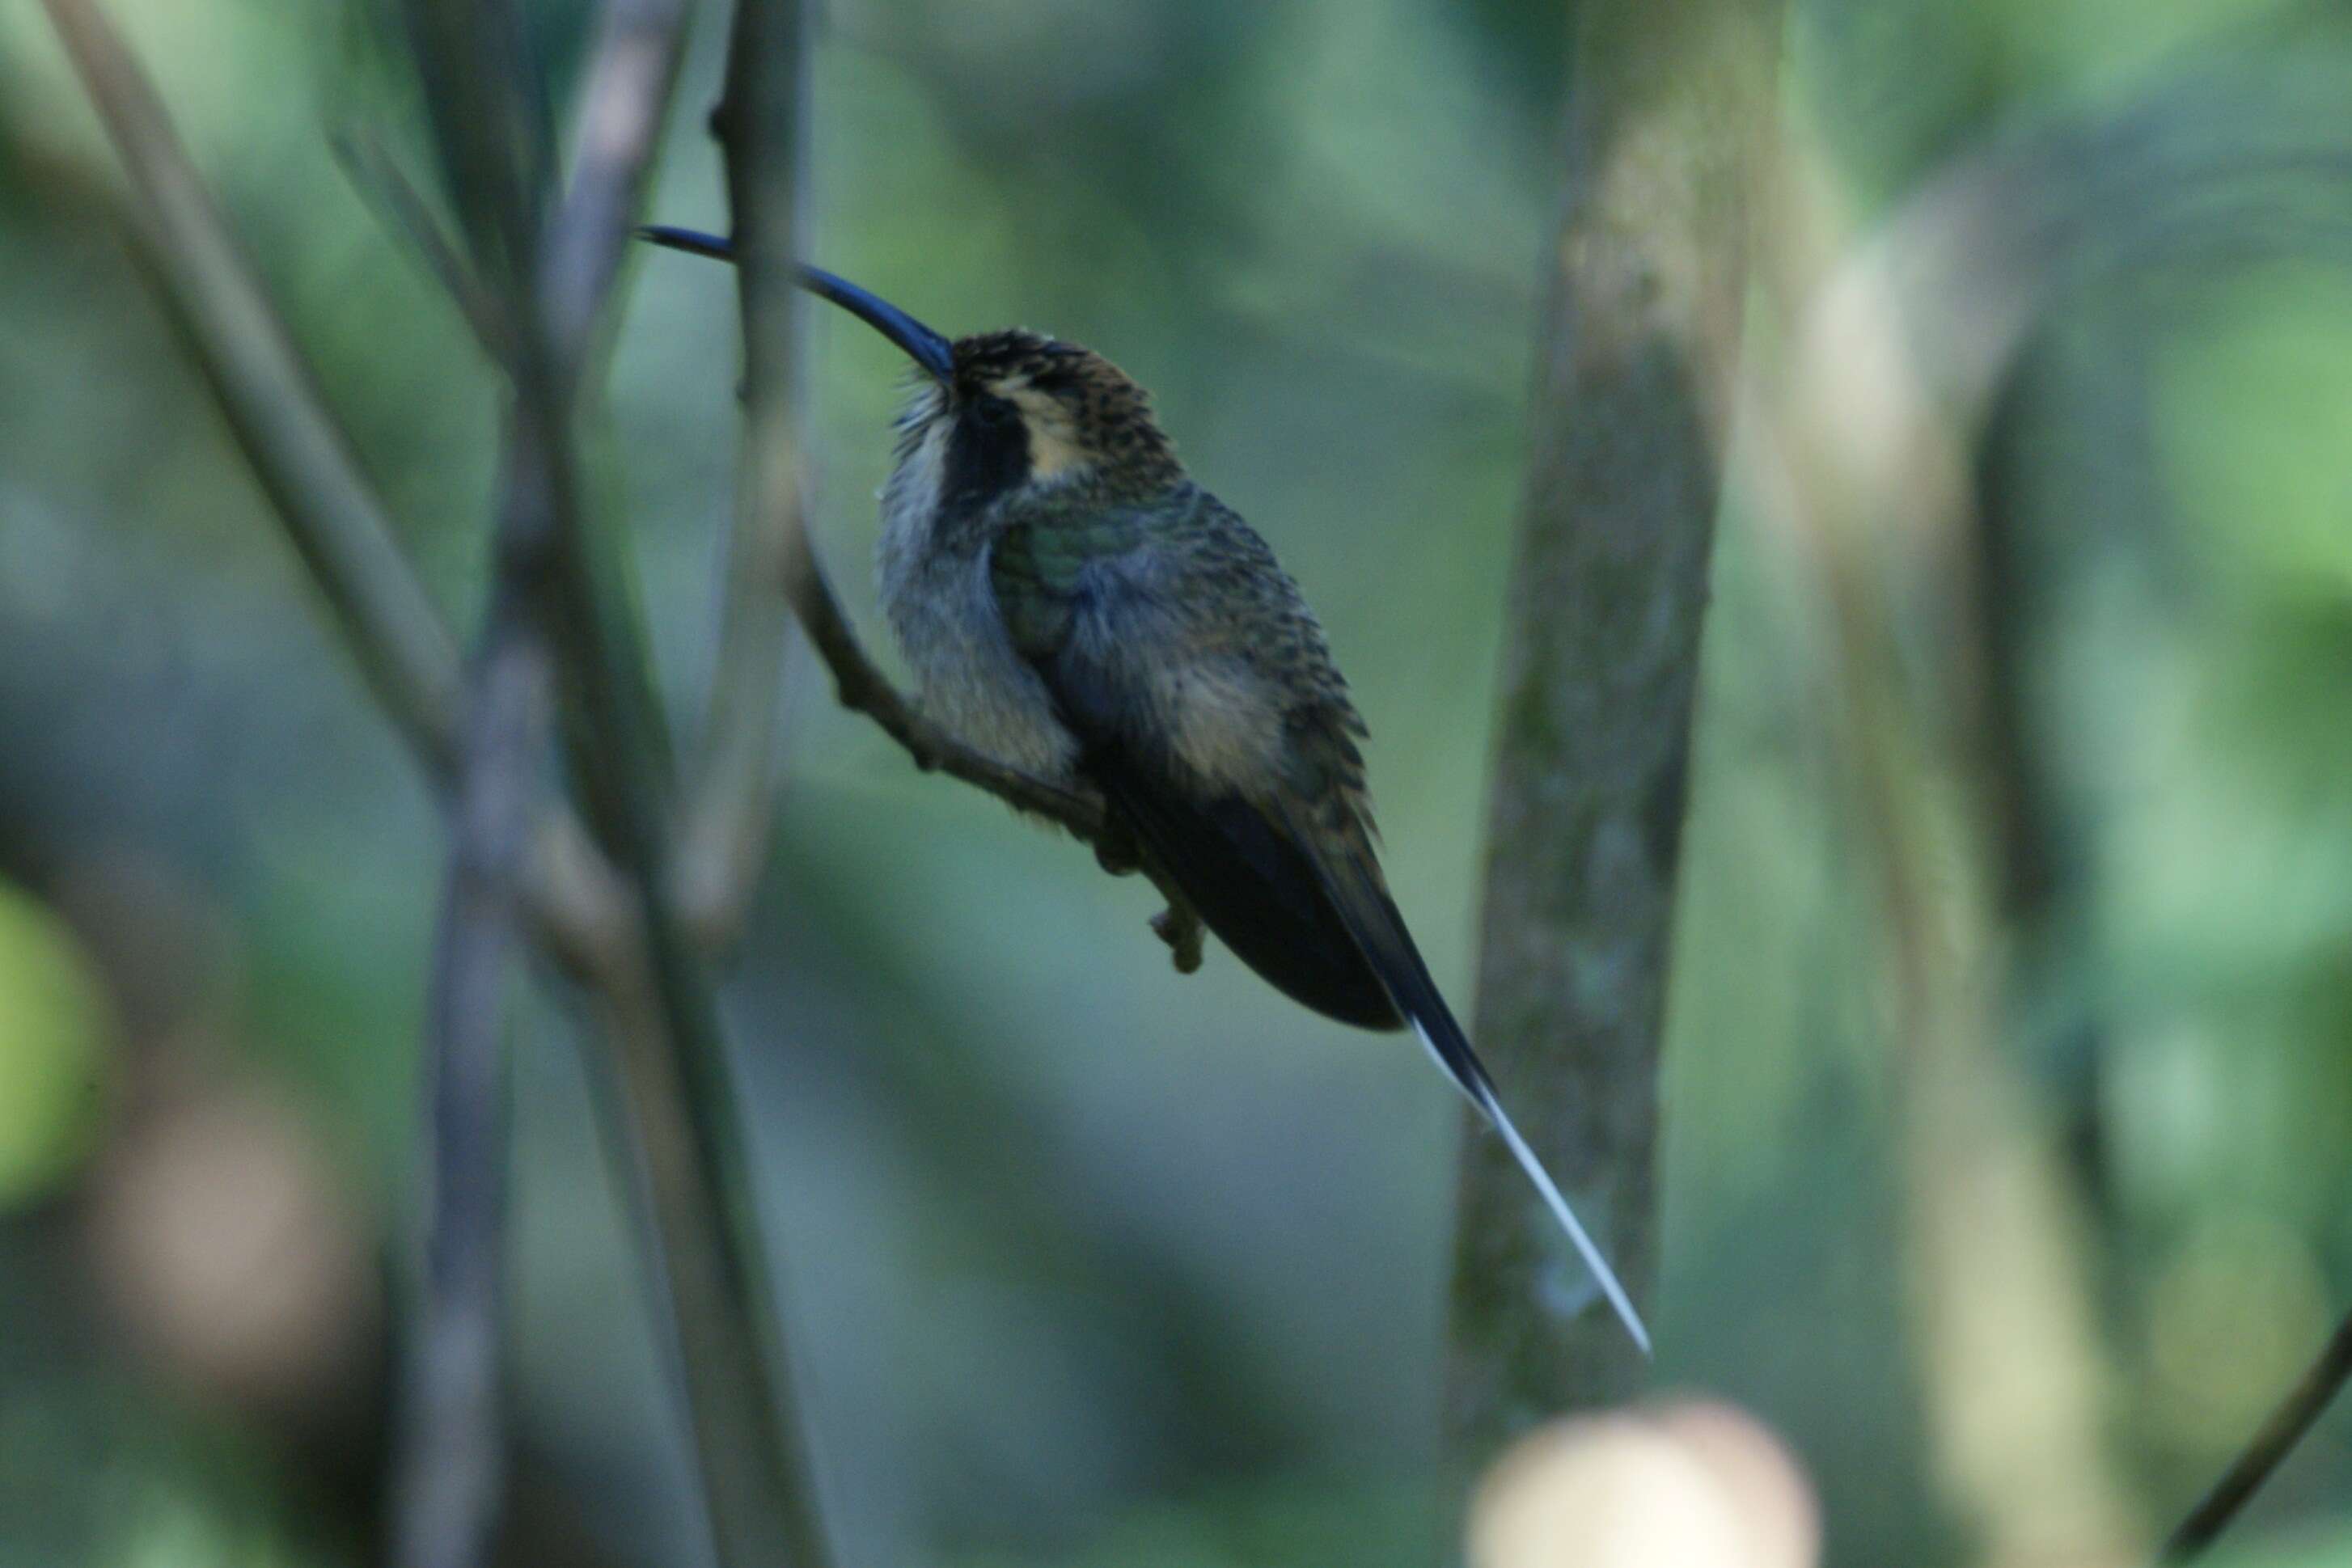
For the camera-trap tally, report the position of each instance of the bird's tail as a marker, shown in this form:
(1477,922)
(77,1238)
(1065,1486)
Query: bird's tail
(1451,1051)
(1361,897)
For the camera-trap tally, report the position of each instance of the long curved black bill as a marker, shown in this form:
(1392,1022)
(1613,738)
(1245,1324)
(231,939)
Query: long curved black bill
(920,343)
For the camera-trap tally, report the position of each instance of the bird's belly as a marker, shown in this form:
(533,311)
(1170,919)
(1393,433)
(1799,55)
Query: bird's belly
(943,611)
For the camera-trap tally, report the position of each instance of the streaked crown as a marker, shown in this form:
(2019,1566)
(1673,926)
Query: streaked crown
(1020,409)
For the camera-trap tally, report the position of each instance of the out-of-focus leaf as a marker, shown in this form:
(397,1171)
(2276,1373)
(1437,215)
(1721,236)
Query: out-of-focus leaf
(56,1049)
(2255,401)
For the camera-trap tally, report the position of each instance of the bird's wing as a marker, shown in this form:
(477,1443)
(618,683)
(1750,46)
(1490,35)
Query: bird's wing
(1275,850)
(1104,629)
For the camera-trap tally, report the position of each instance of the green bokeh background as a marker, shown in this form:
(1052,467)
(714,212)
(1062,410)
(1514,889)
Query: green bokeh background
(1091,1263)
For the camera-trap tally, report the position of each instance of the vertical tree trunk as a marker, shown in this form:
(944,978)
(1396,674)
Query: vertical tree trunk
(1669,103)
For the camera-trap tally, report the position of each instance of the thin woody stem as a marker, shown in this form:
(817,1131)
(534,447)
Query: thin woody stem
(449,1461)
(599,924)
(2269,1447)
(724,842)
(861,688)
(385,186)
(687,1126)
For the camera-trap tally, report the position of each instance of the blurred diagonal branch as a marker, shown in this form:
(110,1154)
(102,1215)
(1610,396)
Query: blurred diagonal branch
(381,182)
(2268,1448)
(615,929)
(307,465)
(676,1068)
(1667,107)
(623,106)
(492,130)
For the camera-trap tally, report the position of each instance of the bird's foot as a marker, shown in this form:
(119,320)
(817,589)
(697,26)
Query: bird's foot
(1180,926)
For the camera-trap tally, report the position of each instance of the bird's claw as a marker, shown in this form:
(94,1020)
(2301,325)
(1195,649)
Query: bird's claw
(1179,925)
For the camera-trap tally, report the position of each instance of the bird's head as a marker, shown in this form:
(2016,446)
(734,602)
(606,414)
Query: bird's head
(1000,414)
(1018,412)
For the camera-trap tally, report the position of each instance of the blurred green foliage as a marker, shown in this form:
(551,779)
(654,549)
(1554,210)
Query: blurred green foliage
(1101,1265)
(56,1049)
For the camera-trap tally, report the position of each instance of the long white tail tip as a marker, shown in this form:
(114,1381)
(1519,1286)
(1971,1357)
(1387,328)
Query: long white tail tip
(1603,1274)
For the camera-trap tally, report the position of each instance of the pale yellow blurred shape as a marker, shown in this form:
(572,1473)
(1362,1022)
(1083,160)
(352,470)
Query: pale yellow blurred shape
(56,1049)
(2014,1372)
(2239,1307)
(226,1246)
(1696,1484)
(1774,1499)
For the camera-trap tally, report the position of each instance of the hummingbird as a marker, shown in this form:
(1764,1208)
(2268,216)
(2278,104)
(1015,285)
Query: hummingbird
(1075,605)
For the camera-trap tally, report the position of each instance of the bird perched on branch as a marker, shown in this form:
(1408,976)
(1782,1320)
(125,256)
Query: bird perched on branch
(1074,605)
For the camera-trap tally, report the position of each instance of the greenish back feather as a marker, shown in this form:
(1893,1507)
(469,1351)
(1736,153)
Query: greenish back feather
(1206,638)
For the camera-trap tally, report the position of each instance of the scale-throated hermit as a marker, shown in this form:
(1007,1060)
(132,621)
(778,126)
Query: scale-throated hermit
(1073,604)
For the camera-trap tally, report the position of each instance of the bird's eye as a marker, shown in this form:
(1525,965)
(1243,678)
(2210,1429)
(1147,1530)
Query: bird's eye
(994,413)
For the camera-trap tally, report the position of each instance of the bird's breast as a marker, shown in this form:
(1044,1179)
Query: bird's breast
(942,609)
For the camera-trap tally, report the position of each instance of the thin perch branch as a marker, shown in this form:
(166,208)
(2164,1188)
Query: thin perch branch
(861,688)
(2270,1447)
